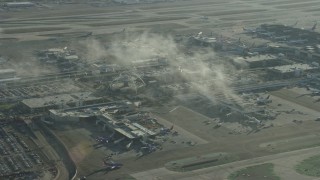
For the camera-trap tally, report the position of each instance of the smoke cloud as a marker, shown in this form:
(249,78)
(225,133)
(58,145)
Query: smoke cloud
(207,73)
(94,50)
(1,34)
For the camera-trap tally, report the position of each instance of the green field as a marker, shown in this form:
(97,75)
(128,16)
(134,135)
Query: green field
(310,166)
(199,162)
(261,171)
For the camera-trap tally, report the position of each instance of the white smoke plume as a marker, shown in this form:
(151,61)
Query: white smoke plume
(94,50)
(206,71)
(1,34)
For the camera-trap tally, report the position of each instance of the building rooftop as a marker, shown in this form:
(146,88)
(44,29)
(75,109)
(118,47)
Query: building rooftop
(71,57)
(19,3)
(292,67)
(126,127)
(205,39)
(2,71)
(59,100)
(255,58)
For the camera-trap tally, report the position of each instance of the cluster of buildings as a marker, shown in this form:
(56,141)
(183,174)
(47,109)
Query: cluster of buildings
(66,60)
(119,117)
(43,104)
(284,57)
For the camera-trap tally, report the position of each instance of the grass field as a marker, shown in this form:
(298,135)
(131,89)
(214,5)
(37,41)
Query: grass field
(199,162)
(310,166)
(262,171)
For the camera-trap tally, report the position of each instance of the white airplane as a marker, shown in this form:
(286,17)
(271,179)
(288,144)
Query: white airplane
(263,101)
(315,92)
(313,28)
(298,41)
(252,31)
(266,34)
(281,38)
(293,25)
(253,51)
(204,17)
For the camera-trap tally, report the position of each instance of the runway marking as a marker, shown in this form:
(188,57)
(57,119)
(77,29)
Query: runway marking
(173,109)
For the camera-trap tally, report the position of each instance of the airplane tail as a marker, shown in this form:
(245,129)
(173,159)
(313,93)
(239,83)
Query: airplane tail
(295,24)
(314,27)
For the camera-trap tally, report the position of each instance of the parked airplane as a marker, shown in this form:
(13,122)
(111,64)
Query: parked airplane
(110,165)
(298,41)
(314,92)
(199,34)
(148,147)
(313,28)
(253,119)
(252,30)
(204,17)
(265,34)
(281,38)
(253,51)
(105,139)
(263,101)
(294,25)
(129,145)
(87,34)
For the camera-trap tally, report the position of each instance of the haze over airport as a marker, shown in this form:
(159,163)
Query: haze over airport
(157,89)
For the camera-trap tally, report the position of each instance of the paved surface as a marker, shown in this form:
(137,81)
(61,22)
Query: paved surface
(229,16)
(284,163)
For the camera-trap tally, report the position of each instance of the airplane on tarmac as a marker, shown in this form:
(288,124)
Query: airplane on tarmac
(148,147)
(110,165)
(252,30)
(314,92)
(281,38)
(313,28)
(293,25)
(298,41)
(263,101)
(265,34)
(87,34)
(204,17)
(105,139)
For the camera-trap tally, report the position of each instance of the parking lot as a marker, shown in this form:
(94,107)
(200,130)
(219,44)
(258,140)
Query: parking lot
(20,155)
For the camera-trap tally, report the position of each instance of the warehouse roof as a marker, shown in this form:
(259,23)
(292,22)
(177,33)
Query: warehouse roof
(58,100)
(293,67)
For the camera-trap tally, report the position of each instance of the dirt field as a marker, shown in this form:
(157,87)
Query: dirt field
(262,171)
